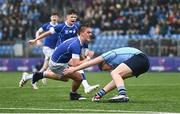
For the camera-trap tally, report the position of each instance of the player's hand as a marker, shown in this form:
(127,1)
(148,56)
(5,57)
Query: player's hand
(39,43)
(31,42)
(90,54)
(69,70)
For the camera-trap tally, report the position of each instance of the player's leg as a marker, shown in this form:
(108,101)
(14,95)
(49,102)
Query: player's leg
(48,74)
(24,79)
(122,71)
(87,88)
(77,79)
(47,53)
(134,66)
(44,67)
(109,87)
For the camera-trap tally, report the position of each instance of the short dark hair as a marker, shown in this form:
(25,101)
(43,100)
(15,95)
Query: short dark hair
(54,13)
(82,27)
(72,11)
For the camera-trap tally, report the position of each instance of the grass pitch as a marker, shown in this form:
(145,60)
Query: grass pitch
(151,92)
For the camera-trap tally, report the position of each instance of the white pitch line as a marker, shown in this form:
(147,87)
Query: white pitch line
(10,87)
(41,86)
(88,110)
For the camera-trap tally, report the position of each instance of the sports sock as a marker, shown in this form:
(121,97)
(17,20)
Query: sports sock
(37,76)
(84,81)
(28,77)
(121,90)
(101,93)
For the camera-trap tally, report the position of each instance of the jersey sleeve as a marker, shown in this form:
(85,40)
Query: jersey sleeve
(78,24)
(40,29)
(76,51)
(44,27)
(85,45)
(84,50)
(58,28)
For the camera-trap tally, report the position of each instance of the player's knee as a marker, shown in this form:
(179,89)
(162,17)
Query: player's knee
(116,73)
(65,79)
(79,78)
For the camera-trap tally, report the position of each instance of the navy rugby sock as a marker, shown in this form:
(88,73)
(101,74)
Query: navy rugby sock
(83,76)
(101,93)
(37,76)
(121,90)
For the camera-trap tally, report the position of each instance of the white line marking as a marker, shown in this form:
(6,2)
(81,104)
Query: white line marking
(88,110)
(41,86)
(10,87)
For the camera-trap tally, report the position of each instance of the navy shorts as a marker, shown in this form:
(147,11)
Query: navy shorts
(139,64)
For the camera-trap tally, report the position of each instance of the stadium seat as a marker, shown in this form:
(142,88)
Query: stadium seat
(37,51)
(6,51)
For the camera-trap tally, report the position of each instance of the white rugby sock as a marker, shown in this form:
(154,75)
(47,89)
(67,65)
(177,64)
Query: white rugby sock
(84,81)
(85,84)
(28,77)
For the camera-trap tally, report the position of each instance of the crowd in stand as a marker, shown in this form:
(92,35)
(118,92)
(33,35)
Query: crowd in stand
(136,16)
(20,18)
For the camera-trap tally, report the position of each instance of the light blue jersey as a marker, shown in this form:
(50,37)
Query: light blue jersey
(118,56)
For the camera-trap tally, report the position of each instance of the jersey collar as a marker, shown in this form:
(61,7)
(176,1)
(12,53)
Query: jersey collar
(79,40)
(68,25)
(53,24)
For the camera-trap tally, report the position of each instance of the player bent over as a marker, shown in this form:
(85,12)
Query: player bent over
(123,63)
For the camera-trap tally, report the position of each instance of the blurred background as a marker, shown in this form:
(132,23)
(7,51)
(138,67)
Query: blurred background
(152,26)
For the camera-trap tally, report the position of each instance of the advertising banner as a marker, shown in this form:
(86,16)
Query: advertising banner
(27,64)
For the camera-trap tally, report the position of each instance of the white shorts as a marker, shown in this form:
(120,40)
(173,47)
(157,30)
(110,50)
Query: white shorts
(47,52)
(57,68)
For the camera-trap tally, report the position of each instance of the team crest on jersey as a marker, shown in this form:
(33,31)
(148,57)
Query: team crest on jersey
(70,31)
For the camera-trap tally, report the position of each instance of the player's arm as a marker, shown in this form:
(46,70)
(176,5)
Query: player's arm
(75,61)
(84,65)
(76,50)
(43,35)
(90,54)
(52,30)
(38,32)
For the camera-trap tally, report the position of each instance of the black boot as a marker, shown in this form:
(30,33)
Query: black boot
(76,96)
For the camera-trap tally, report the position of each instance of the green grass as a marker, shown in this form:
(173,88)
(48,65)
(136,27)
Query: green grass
(156,92)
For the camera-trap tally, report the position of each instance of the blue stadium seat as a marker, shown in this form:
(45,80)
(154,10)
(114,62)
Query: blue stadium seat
(104,43)
(6,51)
(37,51)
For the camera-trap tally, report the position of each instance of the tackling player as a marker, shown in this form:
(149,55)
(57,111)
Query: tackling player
(123,63)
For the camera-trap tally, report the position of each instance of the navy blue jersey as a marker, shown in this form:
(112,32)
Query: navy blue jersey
(70,48)
(51,40)
(66,31)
